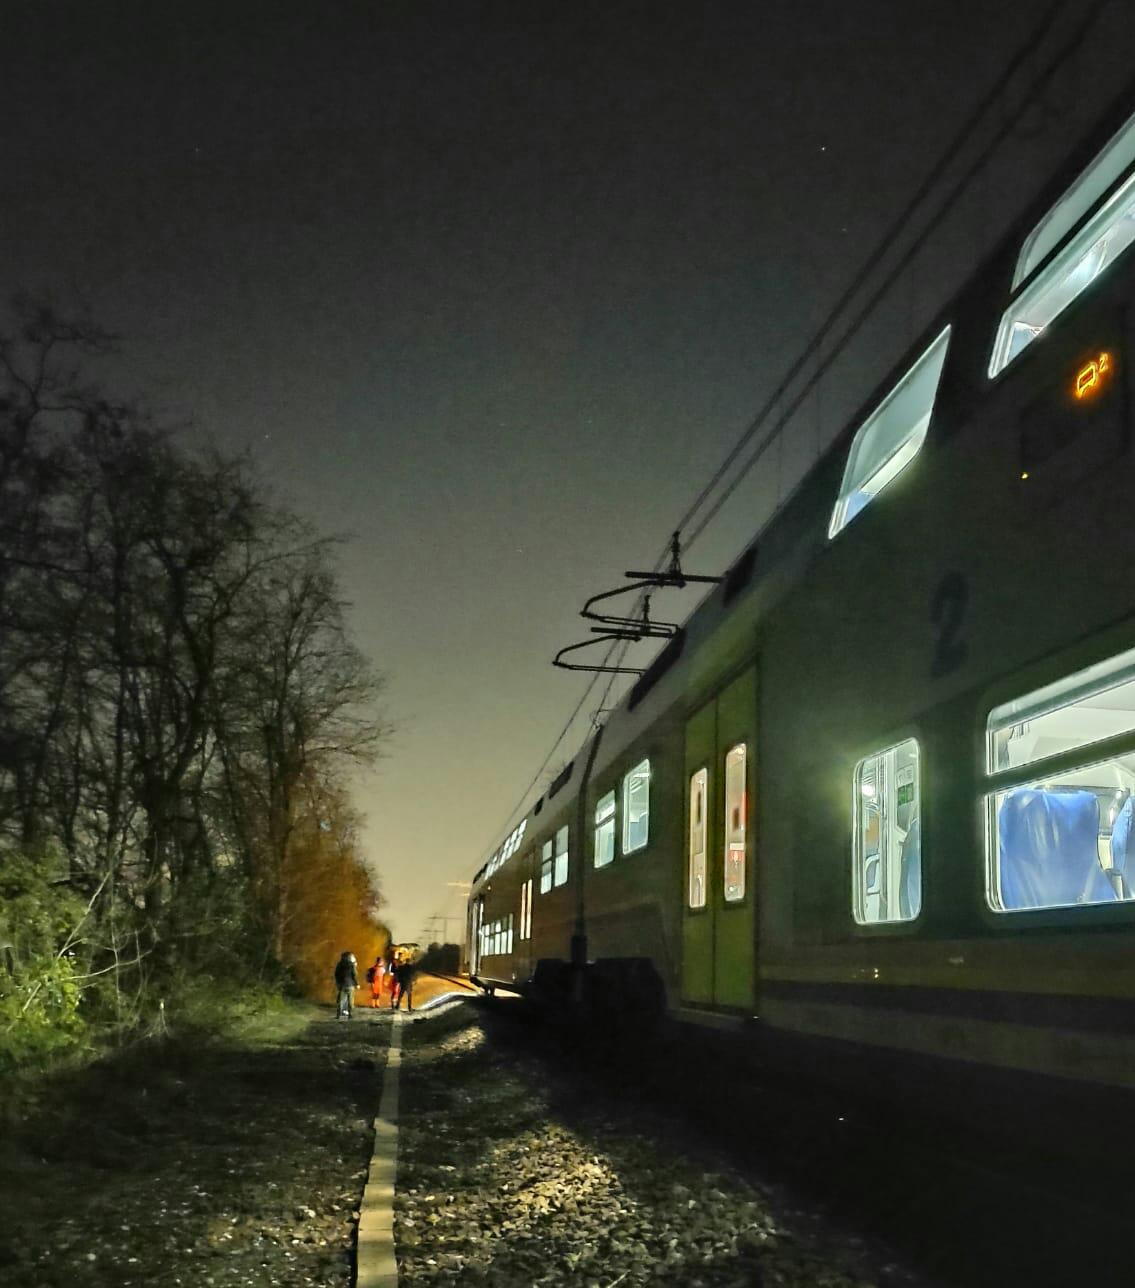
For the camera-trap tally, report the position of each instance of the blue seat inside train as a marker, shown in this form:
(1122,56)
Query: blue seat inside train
(1048,849)
(910,873)
(1122,845)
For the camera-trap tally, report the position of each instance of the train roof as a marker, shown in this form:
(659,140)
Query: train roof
(797,532)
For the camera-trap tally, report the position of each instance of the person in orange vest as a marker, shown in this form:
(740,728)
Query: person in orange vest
(376,978)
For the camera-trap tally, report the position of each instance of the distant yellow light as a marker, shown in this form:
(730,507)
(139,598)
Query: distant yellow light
(1092,375)
(1025,474)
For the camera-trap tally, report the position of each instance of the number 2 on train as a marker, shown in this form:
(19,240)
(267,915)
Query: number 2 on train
(947,613)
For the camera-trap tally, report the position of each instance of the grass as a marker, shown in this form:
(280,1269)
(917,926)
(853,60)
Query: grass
(222,1154)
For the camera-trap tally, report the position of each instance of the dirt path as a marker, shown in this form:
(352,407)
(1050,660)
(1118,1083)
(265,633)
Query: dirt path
(237,1162)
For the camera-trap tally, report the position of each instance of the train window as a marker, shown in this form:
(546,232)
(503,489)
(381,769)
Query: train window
(526,910)
(736,807)
(561,870)
(546,868)
(496,936)
(699,788)
(605,830)
(1090,706)
(1076,242)
(890,438)
(887,860)
(1058,825)
(636,807)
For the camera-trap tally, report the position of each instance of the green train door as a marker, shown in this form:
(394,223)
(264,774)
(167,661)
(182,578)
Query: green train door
(718,894)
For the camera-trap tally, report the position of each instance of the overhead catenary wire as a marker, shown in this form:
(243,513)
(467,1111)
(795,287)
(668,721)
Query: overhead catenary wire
(1038,86)
(555,746)
(813,347)
(876,256)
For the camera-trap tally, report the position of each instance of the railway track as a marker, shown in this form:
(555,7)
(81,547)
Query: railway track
(967,1207)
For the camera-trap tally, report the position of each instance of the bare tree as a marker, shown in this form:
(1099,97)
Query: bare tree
(178,686)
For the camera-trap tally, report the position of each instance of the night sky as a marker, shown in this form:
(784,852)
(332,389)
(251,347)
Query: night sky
(492,287)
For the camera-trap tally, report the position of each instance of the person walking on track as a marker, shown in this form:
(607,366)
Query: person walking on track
(404,973)
(376,978)
(346,981)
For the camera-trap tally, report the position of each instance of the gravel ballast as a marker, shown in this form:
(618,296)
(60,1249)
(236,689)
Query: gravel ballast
(513,1173)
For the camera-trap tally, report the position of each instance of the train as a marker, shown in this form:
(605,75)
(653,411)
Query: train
(870,811)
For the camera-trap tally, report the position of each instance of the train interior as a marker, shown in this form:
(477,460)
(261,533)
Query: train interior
(888,885)
(1061,836)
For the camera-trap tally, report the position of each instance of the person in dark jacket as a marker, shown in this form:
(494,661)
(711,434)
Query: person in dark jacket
(404,973)
(346,981)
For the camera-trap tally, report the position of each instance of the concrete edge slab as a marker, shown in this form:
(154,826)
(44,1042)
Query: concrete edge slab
(375,1260)
(442,1003)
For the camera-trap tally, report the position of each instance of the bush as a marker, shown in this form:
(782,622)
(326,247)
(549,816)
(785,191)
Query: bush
(39,974)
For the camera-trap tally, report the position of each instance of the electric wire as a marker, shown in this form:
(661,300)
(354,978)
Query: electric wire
(876,257)
(556,745)
(902,264)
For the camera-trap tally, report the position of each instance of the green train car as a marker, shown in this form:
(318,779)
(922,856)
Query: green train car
(872,809)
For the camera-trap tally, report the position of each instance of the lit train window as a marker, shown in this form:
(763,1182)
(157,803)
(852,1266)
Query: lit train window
(526,909)
(1059,822)
(561,873)
(493,932)
(507,850)
(736,807)
(1095,704)
(605,830)
(887,858)
(498,935)
(699,787)
(636,807)
(546,868)
(1076,242)
(890,438)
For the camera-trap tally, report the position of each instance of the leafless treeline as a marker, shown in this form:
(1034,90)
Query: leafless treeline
(178,690)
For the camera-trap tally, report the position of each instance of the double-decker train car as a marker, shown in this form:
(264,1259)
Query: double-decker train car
(873,806)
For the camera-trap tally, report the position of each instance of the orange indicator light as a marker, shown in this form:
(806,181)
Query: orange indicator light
(1090,378)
